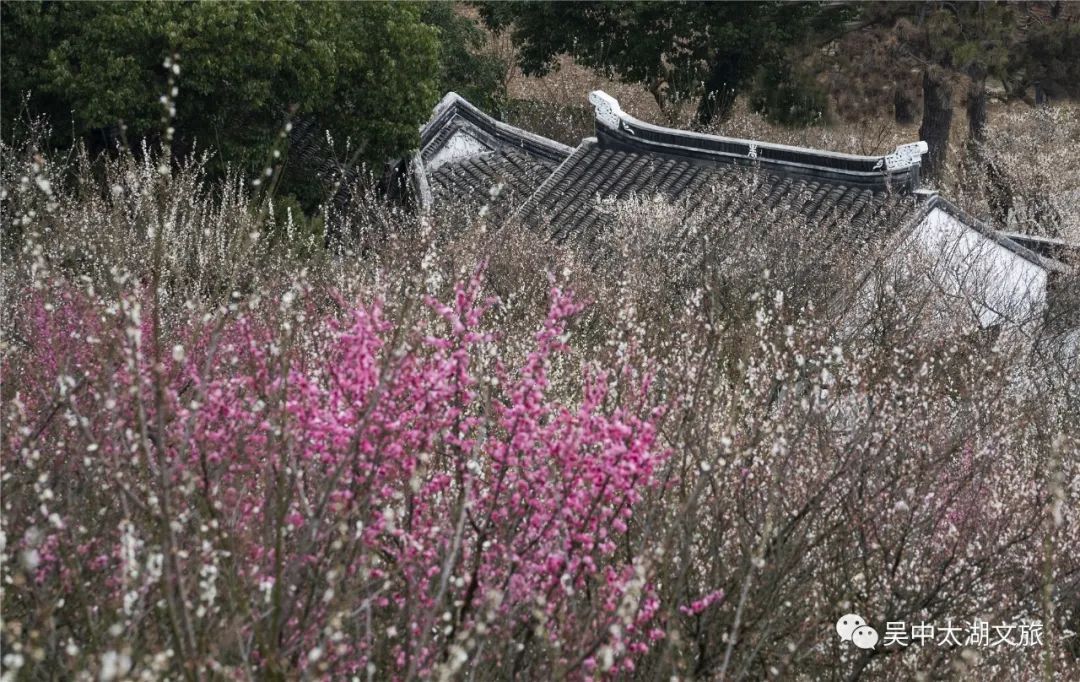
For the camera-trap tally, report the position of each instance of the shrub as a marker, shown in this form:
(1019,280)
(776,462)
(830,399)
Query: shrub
(334,493)
(223,457)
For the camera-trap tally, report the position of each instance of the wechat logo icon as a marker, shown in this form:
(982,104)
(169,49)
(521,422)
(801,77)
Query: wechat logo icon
(852,628)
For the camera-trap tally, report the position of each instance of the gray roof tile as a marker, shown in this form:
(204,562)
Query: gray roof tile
(567,192)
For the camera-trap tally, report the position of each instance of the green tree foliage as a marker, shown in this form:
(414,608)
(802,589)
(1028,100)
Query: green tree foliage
(973,39)
(1022,45)
(368,71)
(788,95)
(463,66)
(678,50)
(1050,58)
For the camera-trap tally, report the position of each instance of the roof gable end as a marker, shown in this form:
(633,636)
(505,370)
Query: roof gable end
(458,130)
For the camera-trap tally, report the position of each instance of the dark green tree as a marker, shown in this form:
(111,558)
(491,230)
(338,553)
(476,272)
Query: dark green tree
(679,50)
(368,71)
(1049,61)
(1029,45)
(972,40)
(463,65)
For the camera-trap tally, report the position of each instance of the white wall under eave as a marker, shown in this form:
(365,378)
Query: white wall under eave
(1000,285)
(461,145)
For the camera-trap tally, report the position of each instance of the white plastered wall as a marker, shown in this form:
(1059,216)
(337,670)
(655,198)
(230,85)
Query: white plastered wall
(460,146)
(999,284)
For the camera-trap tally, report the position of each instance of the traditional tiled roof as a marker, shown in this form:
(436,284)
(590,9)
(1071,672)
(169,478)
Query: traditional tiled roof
(472,179)
(571,201)
(566,192)
(464,153)
(617,129)
(630,158)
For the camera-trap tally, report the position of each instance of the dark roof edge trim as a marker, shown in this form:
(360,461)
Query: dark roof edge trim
(529,204)
(899,182)
(904,161)
(454,106)
(1048,247)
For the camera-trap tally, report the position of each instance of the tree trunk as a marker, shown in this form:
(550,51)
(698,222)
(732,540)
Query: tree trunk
(716,105)
(657,88)
(999,195)
(976,110)
(1040,95)
(936,120)
(903,105)
(726,77)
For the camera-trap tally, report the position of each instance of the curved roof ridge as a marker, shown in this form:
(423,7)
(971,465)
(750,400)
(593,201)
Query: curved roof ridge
(621,129)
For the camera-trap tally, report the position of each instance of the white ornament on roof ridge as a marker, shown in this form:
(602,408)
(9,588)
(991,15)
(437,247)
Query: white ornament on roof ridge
(905,156)
(608,110)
